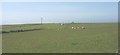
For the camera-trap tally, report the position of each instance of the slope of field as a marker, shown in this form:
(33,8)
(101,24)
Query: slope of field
(54,38)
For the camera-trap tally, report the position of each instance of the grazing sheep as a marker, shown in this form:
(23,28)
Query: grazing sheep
(61,24)
(72,27)
(83,27)
(75,28)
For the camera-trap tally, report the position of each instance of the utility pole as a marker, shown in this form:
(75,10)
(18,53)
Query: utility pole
(41,20)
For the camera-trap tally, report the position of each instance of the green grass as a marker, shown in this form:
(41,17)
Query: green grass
(96,38)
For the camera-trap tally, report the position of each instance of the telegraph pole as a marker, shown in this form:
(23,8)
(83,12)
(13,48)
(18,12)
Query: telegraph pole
(41,20)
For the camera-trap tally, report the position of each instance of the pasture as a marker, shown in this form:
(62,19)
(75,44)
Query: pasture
(56,38)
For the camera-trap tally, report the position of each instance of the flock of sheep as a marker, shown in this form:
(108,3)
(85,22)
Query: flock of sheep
(78,27)
(74,27)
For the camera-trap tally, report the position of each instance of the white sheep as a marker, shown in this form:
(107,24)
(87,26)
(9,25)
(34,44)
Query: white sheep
(61,24)
(72,27)
(83,27)
(75,28)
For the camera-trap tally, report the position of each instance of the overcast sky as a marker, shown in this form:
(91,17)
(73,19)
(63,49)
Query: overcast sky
(59,12)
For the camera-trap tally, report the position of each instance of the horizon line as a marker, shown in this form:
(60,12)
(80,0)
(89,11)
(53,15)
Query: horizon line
(53,23)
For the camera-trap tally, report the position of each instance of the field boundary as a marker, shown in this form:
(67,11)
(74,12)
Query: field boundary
(14,31)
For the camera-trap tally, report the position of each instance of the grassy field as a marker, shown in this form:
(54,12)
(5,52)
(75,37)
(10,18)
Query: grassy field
(96,38)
